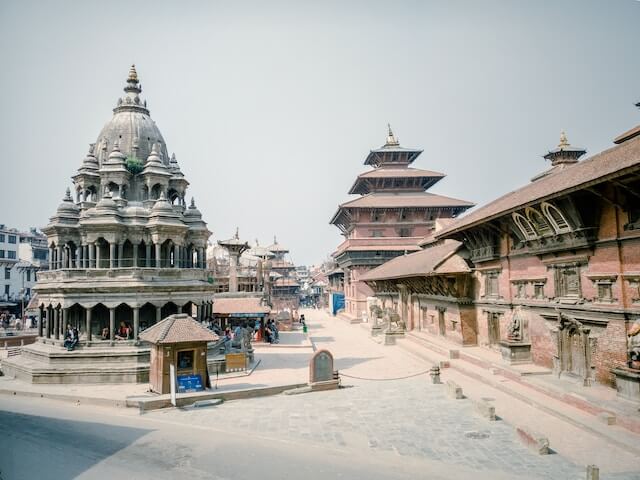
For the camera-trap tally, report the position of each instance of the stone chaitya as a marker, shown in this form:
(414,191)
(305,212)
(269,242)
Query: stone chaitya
(126,252)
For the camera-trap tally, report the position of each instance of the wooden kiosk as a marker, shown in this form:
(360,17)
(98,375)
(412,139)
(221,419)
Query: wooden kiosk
(180,341)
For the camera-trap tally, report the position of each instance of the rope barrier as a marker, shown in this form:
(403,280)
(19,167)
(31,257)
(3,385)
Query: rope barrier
(385,379)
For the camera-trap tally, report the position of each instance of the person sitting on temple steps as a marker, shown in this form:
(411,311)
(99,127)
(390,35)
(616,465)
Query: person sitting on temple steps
(70,338)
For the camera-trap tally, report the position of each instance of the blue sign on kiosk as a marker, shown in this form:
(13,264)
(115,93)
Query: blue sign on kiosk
(189,383)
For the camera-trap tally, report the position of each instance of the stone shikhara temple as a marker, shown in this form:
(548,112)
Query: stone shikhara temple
(392,215)
(127,249)
(547,274)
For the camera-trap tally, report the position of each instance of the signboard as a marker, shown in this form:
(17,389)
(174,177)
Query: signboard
(189,383)
(235,362)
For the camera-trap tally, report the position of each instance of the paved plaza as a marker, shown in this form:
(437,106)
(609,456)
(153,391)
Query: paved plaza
(407,428)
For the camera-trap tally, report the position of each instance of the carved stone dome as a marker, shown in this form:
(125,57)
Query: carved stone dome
(131,127)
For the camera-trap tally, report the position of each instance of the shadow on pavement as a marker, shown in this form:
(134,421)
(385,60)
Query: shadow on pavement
(41,447)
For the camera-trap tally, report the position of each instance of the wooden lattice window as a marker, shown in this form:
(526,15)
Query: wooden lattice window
(568,281)
(491,284)
(538,221)
(525,226)
(557,220)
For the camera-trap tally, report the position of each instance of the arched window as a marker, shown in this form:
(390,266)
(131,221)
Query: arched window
(538,221)
(525,226)
(557,220)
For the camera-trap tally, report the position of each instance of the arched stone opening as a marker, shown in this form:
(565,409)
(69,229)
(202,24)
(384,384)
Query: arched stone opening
(99,321)
(169,308)
(127,254)
(148,316)
(124,314)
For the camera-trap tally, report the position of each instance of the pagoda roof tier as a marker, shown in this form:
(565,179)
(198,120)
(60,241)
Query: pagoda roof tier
(403,200)
(384,178)
(391,153)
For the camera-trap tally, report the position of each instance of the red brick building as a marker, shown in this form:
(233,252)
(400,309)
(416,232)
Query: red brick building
(548,273)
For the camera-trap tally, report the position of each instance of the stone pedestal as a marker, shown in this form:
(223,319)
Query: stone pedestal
(627,383)
(376,330)
(515,353)
(389,339)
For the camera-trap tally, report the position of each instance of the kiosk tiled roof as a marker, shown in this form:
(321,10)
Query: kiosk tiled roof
(179,328)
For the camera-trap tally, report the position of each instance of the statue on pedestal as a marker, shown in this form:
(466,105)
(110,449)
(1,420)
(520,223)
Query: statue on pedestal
(633,344)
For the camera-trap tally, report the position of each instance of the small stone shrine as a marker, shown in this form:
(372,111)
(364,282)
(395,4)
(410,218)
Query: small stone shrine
(516,349)
(181,341)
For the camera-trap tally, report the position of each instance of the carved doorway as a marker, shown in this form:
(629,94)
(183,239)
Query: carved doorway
(574,353)
(493,324)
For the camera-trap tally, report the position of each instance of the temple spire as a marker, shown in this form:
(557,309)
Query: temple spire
(564,153)
(133,84)
(391,139)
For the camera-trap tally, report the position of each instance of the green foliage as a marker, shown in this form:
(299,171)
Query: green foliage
(134,165)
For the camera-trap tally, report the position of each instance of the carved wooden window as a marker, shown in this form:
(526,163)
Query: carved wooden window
(491,284)
(605,291)
(377,233)
(525,226)
(521,290)
(539,222)
(404,232)
(538,290)
(375,216)
(557,220)
(568,281)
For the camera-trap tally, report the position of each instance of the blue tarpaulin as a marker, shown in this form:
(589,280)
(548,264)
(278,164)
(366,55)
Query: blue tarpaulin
(337,302)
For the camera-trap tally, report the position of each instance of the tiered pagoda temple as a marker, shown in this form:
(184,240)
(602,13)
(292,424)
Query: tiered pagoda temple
(285,287)
(392,215)
(127,252)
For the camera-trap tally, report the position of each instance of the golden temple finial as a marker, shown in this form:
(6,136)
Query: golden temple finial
(563,140)
(133,75)
(391,139)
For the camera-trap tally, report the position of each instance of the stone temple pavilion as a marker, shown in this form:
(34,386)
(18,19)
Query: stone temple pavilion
(125,248)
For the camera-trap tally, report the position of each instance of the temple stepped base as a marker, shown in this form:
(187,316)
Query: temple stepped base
(45,363)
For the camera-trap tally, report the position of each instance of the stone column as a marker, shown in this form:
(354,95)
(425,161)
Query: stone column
(86,256)
(136,246)
(158,314)
(136,322)
(112,255)
(91,247)
(88,327)
(158,255)
(233,271)
(200,256)
(49,317)
(98,255)
(147,256)
(50,258)
(56,323)
(40,319)
(64,322)
(204,258)
(120,254)
(176,256)
(112,323)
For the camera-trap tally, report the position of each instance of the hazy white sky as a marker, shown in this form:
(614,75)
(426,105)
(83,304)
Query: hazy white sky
(271,107)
